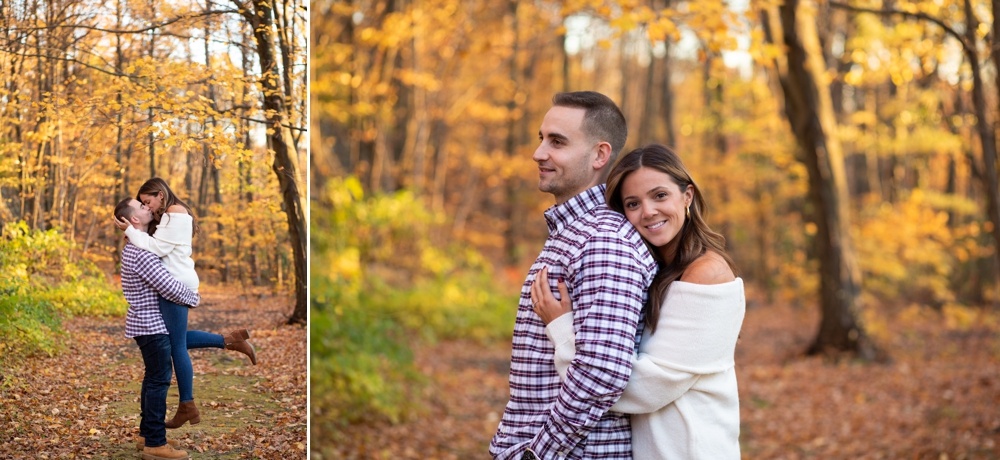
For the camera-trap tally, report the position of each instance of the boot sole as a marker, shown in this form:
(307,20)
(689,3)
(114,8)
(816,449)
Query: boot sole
(193,421)
(141,445)
(146,456)
(253,354)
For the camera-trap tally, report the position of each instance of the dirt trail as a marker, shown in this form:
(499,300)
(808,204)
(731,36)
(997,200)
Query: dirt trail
(84,403)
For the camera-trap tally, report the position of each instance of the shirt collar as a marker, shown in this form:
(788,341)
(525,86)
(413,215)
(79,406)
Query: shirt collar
(559,216)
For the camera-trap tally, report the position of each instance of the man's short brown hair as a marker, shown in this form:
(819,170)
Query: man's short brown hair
(602,120)
(123,211)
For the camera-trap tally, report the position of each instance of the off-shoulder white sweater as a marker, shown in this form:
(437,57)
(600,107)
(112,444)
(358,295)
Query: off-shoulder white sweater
(171,241)
(682,391)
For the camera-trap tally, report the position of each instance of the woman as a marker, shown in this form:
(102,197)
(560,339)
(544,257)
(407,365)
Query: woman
(682,390)
(169,237)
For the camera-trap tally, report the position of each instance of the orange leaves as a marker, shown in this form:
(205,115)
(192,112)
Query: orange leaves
(426,80)
(907,250)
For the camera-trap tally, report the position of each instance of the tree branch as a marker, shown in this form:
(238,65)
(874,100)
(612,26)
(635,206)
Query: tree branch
(60,58)
(966,47)
(265,122)
(129,31)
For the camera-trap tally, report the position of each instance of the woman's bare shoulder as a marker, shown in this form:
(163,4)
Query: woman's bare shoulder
(709,268)
(177,209)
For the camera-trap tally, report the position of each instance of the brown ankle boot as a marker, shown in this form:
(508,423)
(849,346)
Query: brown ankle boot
(186,411)
(140,443)
(237,340)
(164,452)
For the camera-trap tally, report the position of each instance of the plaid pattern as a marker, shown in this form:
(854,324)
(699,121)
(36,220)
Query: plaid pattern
(143,277)
(607,269)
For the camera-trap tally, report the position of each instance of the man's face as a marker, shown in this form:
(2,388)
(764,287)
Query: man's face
(140,213)
(565,155)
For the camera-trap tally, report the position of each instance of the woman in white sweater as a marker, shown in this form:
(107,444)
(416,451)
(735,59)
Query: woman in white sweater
(682,391)
(170,237)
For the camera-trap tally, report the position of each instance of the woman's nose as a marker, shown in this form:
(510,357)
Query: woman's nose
(647,210)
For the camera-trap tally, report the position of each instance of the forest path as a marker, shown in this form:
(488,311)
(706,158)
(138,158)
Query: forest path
(84,403)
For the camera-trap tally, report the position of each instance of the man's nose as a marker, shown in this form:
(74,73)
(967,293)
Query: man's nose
(541,153)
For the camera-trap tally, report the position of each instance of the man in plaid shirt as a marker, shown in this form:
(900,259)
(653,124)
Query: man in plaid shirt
(607,269)
(143,278)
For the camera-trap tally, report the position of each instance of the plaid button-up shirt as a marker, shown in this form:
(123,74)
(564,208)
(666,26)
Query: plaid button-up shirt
(607,269)
(143,277)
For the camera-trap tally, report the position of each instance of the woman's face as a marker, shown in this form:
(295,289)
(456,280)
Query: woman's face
(153,202)
(655,205)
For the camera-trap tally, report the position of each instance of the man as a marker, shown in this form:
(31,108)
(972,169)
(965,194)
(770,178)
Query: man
(143,277)
(607,270)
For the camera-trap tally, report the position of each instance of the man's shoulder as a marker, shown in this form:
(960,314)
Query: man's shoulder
(605,220)
(133,253)
(603,214)
(605,231)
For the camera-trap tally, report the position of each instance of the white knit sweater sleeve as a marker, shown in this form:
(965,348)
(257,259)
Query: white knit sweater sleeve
(560,332)
(174,230)
(695,336)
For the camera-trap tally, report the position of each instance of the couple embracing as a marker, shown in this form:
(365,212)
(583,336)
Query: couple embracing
(627,322)
(160,285)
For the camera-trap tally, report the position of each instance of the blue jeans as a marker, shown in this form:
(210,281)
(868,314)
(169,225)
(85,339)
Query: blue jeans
(181,340)
(155,382)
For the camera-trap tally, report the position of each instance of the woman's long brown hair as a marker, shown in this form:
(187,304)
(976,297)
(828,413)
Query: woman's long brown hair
(695,238)
(156,185)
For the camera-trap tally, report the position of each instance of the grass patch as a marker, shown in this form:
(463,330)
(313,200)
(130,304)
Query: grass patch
(227,404)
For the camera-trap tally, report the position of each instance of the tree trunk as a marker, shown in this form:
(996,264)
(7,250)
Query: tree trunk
(987,138)
(667,100)
(511,206)
(259,16)
(809,111)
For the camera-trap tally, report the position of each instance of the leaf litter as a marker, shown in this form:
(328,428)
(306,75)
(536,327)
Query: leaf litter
(84,402)
(937,398)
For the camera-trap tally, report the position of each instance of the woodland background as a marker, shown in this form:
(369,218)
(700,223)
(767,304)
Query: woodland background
(846,150)
(95,98)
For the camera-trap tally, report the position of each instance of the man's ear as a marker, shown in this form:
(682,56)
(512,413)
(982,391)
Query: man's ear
(603,155)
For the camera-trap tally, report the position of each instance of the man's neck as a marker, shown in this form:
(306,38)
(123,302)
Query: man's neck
(144,228)
(563,199)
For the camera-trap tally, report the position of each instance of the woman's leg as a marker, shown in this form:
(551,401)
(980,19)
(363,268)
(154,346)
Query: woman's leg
(176,318)
(202,339)
(236,340)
